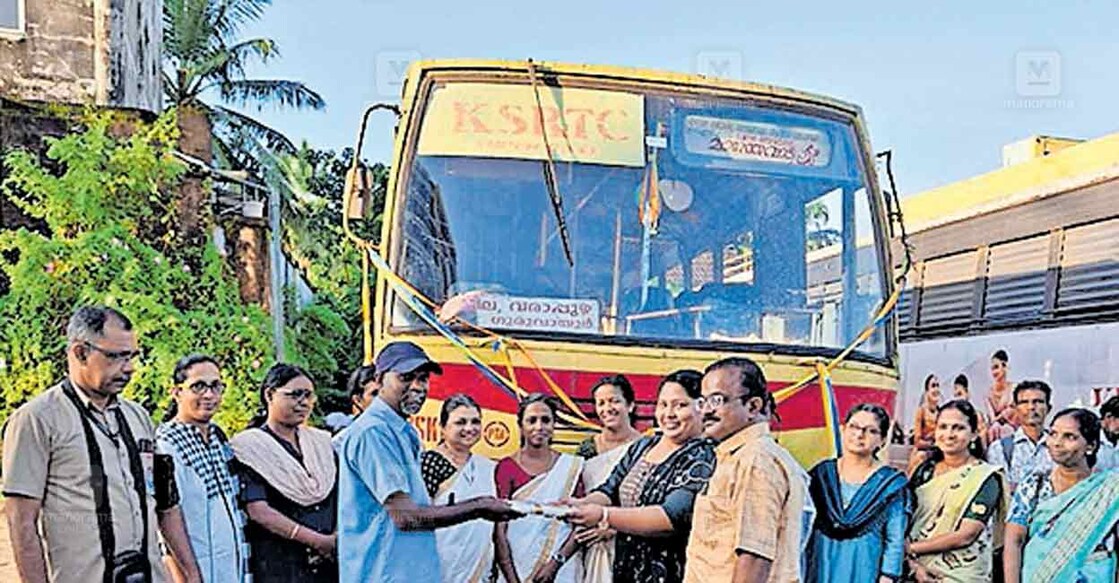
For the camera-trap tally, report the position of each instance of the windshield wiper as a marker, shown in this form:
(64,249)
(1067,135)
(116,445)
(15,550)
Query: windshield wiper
(550,179)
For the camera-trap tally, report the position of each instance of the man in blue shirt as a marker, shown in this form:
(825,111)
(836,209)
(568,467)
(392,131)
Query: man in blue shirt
(385,518)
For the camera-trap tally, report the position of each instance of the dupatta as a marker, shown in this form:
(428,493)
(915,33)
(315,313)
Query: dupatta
(867,509)
(306,484)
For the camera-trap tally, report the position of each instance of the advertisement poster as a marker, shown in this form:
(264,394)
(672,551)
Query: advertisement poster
(1080,363)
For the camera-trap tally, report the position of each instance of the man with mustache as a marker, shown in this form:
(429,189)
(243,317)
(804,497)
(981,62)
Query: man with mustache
(80,467)
(386,521)
(749,525)
(1024,452)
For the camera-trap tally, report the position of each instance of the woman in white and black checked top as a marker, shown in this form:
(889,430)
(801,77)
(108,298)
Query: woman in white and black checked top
(208,489)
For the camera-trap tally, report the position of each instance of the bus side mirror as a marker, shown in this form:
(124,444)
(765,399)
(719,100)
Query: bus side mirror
(358,191)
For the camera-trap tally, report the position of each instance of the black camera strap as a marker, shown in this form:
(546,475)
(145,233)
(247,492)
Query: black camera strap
(100,481)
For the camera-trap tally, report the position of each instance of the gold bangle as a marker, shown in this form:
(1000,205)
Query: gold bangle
(294,531)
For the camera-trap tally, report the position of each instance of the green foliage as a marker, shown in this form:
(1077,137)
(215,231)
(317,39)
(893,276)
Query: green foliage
(116,185)
(321,342)
(326,335)
(204,55)
(112,240)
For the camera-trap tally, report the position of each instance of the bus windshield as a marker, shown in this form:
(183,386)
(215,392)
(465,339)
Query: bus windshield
(689,219)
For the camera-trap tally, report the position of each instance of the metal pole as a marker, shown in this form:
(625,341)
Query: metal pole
(275,274)
(366,310)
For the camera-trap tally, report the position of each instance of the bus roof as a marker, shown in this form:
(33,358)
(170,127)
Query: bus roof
(608,71)
(1074,167)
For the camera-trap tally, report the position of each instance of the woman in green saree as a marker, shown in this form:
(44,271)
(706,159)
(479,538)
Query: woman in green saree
(961,504)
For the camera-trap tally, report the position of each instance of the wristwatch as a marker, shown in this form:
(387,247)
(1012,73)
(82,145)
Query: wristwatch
(558,558)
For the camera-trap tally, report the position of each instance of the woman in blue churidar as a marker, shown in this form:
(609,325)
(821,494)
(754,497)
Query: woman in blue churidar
(862,508)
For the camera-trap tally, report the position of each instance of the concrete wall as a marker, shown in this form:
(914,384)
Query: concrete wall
(103,52)
(54,62)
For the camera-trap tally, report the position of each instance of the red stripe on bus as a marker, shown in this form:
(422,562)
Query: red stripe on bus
(801,411)
(804,410)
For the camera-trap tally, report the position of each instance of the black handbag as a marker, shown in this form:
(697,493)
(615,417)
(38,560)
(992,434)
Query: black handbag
(130,566)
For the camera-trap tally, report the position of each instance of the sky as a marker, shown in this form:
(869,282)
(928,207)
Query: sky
(943,84)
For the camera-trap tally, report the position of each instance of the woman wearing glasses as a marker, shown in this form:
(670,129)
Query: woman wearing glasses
(861,505)
(201,454)
(290,476)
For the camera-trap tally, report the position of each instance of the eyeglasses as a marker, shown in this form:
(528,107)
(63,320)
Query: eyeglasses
(299,394)
(119,356)
(871,431)
(716,400)
(201,387)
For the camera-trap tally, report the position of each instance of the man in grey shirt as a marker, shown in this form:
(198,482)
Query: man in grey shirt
(91,515)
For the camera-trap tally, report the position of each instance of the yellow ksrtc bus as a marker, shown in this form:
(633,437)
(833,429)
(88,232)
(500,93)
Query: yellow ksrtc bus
(549,224)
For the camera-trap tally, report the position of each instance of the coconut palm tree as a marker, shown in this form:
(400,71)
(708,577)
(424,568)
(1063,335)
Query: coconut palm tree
(205,76)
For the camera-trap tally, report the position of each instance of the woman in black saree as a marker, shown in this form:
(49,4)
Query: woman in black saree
(647,500)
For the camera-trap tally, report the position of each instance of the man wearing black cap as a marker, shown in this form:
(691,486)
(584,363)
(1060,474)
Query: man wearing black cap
(385,518)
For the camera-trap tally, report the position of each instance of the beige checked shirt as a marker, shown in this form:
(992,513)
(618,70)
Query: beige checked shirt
(754,503)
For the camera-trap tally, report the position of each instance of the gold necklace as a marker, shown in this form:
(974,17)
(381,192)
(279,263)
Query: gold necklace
(521,461)
(449,453)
